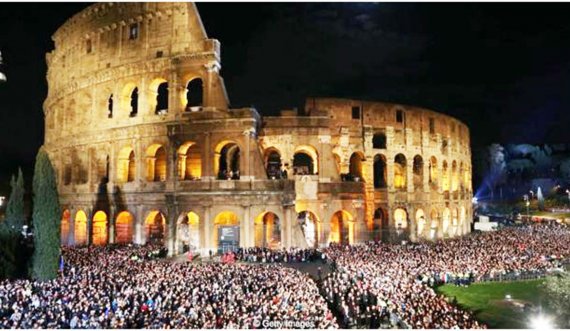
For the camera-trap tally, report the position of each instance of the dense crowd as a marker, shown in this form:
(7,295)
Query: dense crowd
(266,255)
(128,288)
(372,285)
(390,282)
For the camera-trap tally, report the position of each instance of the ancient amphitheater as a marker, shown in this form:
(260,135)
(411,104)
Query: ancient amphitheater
(147,148)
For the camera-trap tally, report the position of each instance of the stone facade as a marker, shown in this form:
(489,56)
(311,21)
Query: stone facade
(146,147)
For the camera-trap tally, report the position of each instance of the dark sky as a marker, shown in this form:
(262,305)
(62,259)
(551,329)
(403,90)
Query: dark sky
(502,68)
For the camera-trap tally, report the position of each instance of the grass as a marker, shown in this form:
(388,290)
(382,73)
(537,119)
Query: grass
(485,301)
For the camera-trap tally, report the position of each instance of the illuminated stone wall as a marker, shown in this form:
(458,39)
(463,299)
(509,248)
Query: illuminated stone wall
(138,126)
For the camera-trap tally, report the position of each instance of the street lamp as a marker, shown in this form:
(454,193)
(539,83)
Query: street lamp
(527,203)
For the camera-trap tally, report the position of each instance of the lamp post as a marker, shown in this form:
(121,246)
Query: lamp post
(527,203)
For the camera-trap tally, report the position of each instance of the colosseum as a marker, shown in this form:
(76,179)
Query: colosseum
(146,148)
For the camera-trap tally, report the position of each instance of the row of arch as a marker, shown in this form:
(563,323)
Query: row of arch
(159,90)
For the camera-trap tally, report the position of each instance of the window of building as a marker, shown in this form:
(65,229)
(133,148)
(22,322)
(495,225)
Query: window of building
(89,46)
(431,126)
(110,107)
(399,116)
(133,31)
(379,140)
(134,102)
(356,113)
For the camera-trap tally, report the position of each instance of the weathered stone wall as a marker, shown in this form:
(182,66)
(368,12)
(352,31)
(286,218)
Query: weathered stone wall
(172,154)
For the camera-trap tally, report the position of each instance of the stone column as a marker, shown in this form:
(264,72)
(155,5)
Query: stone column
(208,228)
(288,224)
(71,240)
(171,226)
(111,224)
(245,228)
(412,224)
(139,225)
(89,213)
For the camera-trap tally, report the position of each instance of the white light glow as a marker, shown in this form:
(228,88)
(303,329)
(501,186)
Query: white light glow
(541,322)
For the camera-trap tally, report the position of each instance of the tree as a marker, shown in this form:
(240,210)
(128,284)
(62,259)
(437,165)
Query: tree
(10,249)
(557,290)
(46,219)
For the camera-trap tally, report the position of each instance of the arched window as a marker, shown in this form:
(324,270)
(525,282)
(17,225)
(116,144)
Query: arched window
(134,102)
(342,228)
(379,171)
(445,177)
(303,164)
(194,94)
(80,228)
(400,172)
(188,232)
(154,225)
(433,174)
(156,163)
(400,219)
(418,172)
(124,228)
(355,167)
(310,226)
(267,230)
(421,223)
(162,99)
(273,164)
(110,107)
(454,176)
(126,165)
(189,162)
(381,229)
(379,141)
(99,228)
(228,161)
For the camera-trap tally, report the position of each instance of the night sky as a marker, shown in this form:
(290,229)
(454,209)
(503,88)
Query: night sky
(501,68)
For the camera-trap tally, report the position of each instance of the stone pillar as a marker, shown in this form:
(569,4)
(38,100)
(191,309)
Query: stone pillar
(111,224)
(208,228)
(171,226)
(139,225)
(325,226)
(412,224)
(207,160)
(410,174)
(245,239)
(89,213)
(71,237)
(288,225)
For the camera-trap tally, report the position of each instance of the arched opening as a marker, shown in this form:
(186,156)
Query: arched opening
(355,167)
(454,177)
(161,99)
(267,230)
(227,161)
(226,232)
(310,226)
(418,170)
(124,228)
(110,107)
(305,161)
(65,225)
(81,228)
(421,223)
(433,175)
(445,177)
(154,227)
(100,228)
(379,141)
(342,228)
(379,171)
(461,177)
(400,220)
(188,232)
(156,163)
(126,167)
(194,94)
(189,162)
(273,163)
(434,224)
(400,172)
(134,102)
(446,221)
(381,229)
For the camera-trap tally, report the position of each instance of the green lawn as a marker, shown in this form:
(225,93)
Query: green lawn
(485,300)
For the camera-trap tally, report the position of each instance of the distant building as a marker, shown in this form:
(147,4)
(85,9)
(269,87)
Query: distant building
(147,148)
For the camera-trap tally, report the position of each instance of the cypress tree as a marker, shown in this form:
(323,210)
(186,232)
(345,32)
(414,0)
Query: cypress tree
(15,217)
(46,219)
(10,250)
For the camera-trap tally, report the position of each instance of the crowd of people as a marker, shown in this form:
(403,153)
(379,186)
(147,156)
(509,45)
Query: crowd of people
(372,285)
(390,283)
(128,287)
(266,255)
